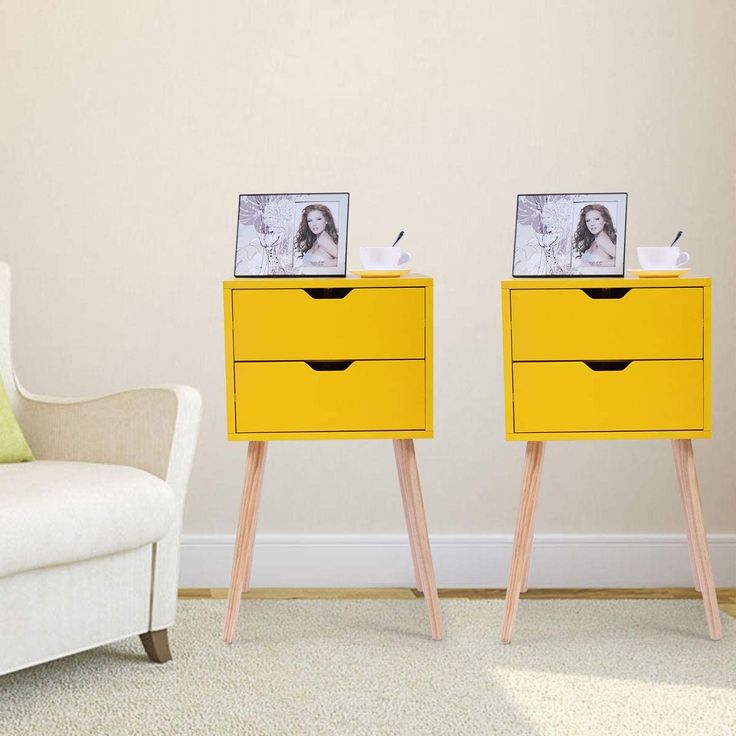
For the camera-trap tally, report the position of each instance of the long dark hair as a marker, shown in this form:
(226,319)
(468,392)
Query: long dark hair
(305,237)
(583,238)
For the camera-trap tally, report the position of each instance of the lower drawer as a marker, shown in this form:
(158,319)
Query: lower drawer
(293,396)
(575,397)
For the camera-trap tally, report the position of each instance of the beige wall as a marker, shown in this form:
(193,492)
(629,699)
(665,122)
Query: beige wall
(128,129)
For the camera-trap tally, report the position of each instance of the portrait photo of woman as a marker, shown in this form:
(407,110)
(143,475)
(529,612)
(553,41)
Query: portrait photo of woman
(317,237)
(595,237)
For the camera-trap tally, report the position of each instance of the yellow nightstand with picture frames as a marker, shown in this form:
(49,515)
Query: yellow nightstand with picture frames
(330,358)
(608,358)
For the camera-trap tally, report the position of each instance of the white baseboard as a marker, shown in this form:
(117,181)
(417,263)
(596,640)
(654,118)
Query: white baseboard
(461,561)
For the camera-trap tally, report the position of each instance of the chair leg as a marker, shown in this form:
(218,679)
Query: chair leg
(405,501)
(415,506)
(523,536)
(700,538)
(156,644)
(246,534)
(686,514)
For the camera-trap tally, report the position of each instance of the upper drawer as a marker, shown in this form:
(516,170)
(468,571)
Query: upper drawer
(328,324)
(607,324)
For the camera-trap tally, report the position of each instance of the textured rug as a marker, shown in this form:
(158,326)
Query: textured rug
(368,667)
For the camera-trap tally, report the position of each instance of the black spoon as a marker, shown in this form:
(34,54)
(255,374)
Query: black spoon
(677,237)
(401,235)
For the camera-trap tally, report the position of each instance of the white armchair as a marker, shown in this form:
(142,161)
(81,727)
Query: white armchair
(89,531)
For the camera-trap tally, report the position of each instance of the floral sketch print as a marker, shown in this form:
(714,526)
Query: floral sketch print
(268,220)
(291,235)
(545,250)
(569,235)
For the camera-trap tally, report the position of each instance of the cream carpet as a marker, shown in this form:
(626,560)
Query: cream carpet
(368,667)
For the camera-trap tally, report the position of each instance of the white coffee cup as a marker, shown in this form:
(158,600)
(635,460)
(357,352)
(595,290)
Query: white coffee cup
(661,257)
(379,258)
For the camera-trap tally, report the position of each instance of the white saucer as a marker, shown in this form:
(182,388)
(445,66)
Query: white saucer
(663,273)
(375,273)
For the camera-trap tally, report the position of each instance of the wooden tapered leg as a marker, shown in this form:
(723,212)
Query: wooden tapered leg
(252,528)
(246,533)
(700,538)
(530,537)
(407,460)
(686,514)
(523,536)
(411,531)
(156,644)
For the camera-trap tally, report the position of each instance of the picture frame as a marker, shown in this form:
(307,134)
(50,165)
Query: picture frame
(568,235)
(292,235)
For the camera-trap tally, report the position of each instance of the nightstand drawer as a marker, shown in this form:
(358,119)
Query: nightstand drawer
(647,395)
(328,323)
(606,324)
(330,396)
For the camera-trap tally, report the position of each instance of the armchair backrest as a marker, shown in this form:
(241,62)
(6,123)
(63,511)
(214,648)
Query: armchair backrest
(6,367)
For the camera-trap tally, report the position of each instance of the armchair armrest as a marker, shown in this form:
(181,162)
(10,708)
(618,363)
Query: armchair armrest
(154,429)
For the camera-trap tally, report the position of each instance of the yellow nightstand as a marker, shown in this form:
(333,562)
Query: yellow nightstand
(330,358)
(608,358)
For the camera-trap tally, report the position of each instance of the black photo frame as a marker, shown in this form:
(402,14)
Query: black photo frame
(292,235)
(569,235)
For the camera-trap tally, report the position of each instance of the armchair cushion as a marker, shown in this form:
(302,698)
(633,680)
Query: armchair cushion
(54,513)
(13,445)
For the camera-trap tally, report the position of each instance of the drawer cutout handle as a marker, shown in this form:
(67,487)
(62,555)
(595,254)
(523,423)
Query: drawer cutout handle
(327,293)
(613,293)
(329,365)
(607,365)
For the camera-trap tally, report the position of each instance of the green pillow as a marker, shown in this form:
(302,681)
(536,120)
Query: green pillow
(13,445)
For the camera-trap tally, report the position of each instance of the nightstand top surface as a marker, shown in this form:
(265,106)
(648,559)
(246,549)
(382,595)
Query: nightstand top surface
(325,282)
(613,282)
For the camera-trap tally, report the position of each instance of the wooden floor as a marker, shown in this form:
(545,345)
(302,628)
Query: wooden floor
(726,596)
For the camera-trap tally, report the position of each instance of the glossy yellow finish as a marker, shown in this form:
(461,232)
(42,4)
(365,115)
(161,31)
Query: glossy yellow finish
(571,397)
(289,324)
(567,324)
(293,397)
(661,327)
(612,282)
(328,358)
(707,348)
